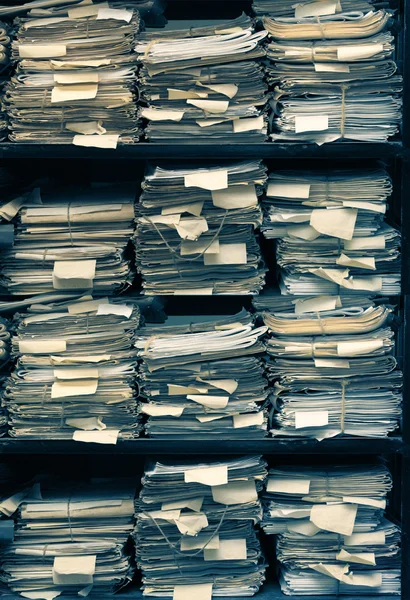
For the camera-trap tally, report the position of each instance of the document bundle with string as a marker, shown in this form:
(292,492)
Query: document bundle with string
(203,83)
(203,377)
(331,232)
(196,230)
(70,239)
(5,337)
(287,8)
(333,75)
(75,373)
(5,41)
(75,76)
(332,535)
(70,540)
(195,532)
(332,368)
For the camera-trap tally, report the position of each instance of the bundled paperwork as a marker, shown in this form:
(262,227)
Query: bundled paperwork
(75,373)
(5,40)
(196,230)
(332,369)
(4,370)
(70,239)
(333,75)
(332,536)
(331,232)
(192,91)
(195,534)
(71,539)
(289,8)
(75,75)
(203,378)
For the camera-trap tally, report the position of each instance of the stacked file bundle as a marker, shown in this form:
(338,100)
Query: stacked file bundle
(333,74)
(75,373)
(201,377)
(4,369)
(195,230)
(332,369)
(195,534)
(331,232)
(70,540)
(75,76)
(5,41)
(332,536)
(203,83)
(286,8)
(72,238)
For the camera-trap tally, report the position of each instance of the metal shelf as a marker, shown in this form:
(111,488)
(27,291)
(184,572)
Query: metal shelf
(141,151)
(146,446)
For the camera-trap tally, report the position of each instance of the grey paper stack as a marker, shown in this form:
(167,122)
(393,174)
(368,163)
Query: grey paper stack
(195,533)
(5,337)
(202,377)
(333,75)
(331,233)
(71,239)
(333,370)
(332,535)
(5,41)
(75,76)
(203,83)
(287,8)
(70,540)
(196,230)
(75,373)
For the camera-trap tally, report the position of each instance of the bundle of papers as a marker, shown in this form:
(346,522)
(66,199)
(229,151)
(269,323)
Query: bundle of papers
(332,537)
(332,370)
(71,540)
(195,535)
(193,92)
(339,82)
(200,377)
(332,236)
(195,230)
(4,369)
(5,41)
(75,373)
(288,8)
(70,239)
(75,76)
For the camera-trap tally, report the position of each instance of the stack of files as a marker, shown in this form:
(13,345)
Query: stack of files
(202,377)
(71,540)
(75,373)
(331,231)
(196,230)
(332,535)
(333,75)
(5,41)
(192,90)
(287,8)
(195,533)
(75,76)
(332,370)
(5,336)
(10,185)
(72,238)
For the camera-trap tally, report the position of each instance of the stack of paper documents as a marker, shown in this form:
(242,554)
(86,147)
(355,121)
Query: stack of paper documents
(75,373)
(4,369)
(192,90)
(332,235)
(195,534)
(75,76)
(288,8)
(332,536)
(333,75)
(5,40)
(196,230)
(332,370)
(72,238)
(200,377)
(71,540)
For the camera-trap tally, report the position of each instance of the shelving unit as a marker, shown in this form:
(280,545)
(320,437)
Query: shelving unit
(395,153)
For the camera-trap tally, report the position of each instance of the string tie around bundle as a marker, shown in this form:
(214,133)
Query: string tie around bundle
(86,324)
(69,223)
(44,254)
(62,415)
(174,252)
(344,87)
(320,322)
(44,394)
(43,556)
(43,102)
(62,123)
(174,548)
(313,52)
(69,518)
(320,25)
(343,384)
